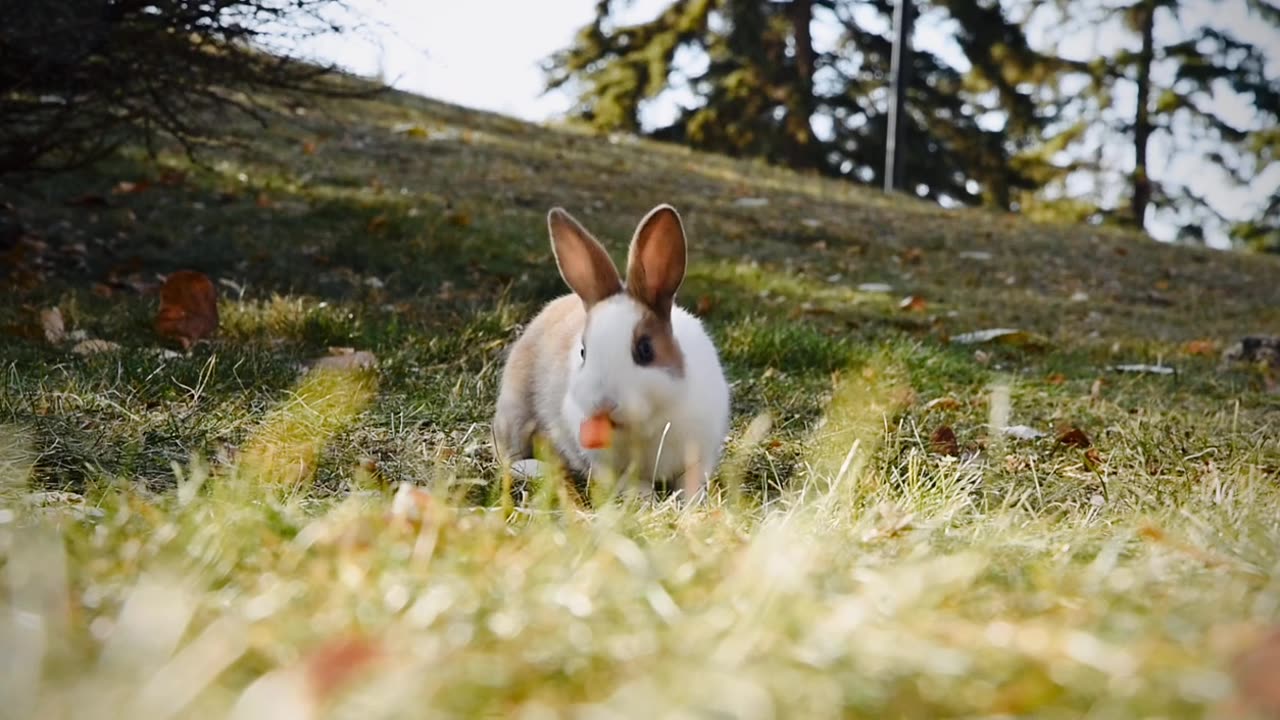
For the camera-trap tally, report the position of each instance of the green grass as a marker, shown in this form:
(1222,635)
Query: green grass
(178,527)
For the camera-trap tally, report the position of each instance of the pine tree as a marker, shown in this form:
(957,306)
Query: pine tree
(1176,89)
(757,94)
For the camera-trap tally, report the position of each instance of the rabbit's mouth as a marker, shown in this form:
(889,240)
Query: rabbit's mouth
(597,432)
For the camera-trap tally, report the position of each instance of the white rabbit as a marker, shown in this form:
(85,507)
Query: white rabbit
(616,376)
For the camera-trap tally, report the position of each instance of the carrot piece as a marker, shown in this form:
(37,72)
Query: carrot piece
(596,432)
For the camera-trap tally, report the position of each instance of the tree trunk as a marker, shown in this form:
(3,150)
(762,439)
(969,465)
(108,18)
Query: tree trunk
(1142,118)
(900,72)
(803,147)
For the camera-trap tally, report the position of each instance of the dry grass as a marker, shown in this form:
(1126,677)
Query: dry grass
(214,533)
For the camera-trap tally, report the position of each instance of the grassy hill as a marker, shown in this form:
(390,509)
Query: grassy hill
(182,525)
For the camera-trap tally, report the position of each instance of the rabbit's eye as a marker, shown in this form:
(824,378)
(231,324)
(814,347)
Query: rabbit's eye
(642,351)
(583,352)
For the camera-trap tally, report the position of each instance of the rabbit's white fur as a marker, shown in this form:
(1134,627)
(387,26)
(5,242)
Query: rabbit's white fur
(671,425)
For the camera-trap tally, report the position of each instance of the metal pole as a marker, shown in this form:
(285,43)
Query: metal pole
(900,77)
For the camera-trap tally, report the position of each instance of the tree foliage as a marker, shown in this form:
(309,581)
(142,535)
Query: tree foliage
(1173,93)
(761,87)
(80,77)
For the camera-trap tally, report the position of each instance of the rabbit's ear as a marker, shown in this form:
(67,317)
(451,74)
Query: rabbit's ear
(584,264)
(656,262)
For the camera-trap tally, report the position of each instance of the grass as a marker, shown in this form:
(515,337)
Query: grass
(212,532)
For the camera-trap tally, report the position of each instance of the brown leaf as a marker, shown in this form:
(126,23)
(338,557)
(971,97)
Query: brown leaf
(173,177)
(461,218)
(376,223)
(911,256)
(1072,436)
(1207,348)
(188,308)
(912,303)
(705,303)
(1093,459)
(92,347)
(54,329)
(943,403)
(102,290)
(943,441)
(264,200)
(1056,379)
(309,147)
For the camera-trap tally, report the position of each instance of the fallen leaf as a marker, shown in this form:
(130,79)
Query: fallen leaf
(309,147)
(263,200)
(912,303)
(1161,285)
(93,346)
(942,403)
(102,290)
(345,359)
(1002,336)
(1201,347)
(874,287)
(54,329)
(943,441)
(1056,379)
(1073,437)
(461,218)
(1022,432)
(188,308)
(911,256)
(1145,369)
(1093,459)
(704,306)
(173,177)
(376,223)
(127,187)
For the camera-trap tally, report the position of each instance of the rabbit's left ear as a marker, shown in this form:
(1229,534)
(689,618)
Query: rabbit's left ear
(656,261)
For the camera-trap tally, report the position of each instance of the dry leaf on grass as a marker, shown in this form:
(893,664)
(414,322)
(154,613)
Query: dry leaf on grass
(344,359)
(1072,436)
(1207,348)
(188,308)
(943,403)
(1144,369)
(54,329)
(93,347)
(126,187)
(1022,432)
(943,441)
(1002,336)
(1056,379)
(912,303)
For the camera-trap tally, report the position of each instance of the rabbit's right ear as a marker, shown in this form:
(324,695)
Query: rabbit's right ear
(584,264)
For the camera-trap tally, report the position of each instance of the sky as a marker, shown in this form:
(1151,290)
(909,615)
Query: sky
(445,50)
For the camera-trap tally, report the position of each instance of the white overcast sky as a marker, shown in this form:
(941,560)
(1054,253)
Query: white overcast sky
(485,54)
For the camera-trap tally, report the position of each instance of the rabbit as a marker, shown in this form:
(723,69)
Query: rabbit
(616,376)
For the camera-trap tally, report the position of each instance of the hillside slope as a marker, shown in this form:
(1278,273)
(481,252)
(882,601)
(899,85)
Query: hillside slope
(896,552)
